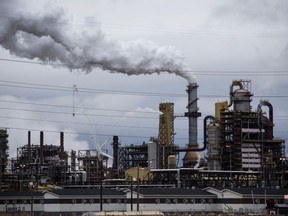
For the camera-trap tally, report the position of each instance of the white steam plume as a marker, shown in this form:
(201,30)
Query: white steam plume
(51,39)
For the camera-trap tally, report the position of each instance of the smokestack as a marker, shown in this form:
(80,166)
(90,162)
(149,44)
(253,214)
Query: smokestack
(29,147)
(115,152)
(192,113)
(61,145)
(41,147)
(191,158)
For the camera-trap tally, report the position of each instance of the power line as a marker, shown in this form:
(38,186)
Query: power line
(87,134)
(84,90)
(82,133)
(70,132)
(241,73)
(90,114)
(194,31)
(103,125)
(195,72)
(146,28)
(105,91)
(77,107)
(68,113)
(152,94)
(80,123)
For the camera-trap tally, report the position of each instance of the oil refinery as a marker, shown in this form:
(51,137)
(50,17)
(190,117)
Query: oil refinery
(244,167)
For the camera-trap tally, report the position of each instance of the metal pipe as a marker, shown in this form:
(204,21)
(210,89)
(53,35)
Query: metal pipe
(269,129)
(269,105)
(205,129)
(204,133)
(234,83)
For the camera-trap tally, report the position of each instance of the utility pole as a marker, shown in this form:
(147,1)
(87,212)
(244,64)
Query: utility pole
(131,191)
(32,198)
(138,187)
(101,183)
(0,171)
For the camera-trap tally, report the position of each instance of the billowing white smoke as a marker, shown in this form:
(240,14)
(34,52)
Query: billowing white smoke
(50,38)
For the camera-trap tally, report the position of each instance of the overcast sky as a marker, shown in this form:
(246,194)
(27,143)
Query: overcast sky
(126,57)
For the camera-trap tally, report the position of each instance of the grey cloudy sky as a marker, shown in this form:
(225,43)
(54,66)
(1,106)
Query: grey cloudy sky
(88,43)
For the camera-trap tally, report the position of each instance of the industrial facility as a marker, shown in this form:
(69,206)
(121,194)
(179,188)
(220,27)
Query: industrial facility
(239,144)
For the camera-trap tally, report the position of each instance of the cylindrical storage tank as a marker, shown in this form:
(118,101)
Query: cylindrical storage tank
(171,162)
(83,176)
(73,160)
(241,100)
(152,155)
(213,147)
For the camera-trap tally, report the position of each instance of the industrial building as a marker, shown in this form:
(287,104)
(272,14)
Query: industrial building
(181,201)
(241,139)
(241,152)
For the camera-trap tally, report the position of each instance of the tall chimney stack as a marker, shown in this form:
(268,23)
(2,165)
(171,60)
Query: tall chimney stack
(41,147)
(29,147)
(115,145)
(62,146)
(191,158)
(192,113)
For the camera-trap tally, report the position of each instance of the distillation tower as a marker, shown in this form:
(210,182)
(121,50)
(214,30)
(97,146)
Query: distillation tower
(241,139)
